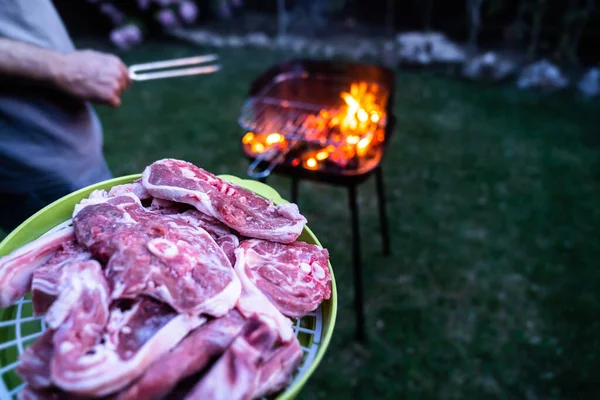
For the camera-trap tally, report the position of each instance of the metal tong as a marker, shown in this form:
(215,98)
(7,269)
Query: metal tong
(167,69)
(252,168)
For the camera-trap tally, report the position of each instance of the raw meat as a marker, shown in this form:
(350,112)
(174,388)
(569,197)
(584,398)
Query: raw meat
(53,393)
(29,393)
(189,357)
(44,286)
(133,340)
(238,208)
(211,225)
(78,316)
(235,375)
(229,243)
(294,277)
(135,187)
(34,366)
(158,255)
(254,304)
(16,269)
(277,369)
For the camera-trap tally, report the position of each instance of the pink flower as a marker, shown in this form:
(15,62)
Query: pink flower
(167,18)
(132,33)
(188,11)
(115,16)
(118,38)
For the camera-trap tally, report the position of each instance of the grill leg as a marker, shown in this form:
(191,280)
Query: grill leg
(383,220)
(295,182)
(357,266)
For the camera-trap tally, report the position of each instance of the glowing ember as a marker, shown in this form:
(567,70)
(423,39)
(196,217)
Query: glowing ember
(248,137)
(322,155)
(258,147)
(274,138)
(363,146)
(352,139)
(362,115)
(311,163)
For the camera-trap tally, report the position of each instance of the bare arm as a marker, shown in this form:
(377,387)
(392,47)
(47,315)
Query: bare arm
(87,75)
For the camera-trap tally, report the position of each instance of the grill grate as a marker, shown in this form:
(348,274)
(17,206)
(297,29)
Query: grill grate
(304,107)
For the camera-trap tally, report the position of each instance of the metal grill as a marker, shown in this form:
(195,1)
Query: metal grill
(302,107)
(307,109)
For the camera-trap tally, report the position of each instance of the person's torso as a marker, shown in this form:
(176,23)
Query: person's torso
(40,128)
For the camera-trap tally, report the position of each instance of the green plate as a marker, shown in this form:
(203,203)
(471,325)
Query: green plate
(18,328)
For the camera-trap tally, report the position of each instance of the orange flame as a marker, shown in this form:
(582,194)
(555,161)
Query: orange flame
(354,128)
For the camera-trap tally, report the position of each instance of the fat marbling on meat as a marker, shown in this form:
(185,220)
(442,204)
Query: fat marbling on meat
(133,339)
(189,357)
(238,208)
(235,374)
(16,268)
(294,277)
(34,363)
(162,256)
(44,286)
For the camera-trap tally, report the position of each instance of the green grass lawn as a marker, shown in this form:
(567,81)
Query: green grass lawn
(492,289)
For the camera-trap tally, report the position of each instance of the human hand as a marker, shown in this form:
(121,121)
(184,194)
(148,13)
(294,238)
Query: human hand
(93,76)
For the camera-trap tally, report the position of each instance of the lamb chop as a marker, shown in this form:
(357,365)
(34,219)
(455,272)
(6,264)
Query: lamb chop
(235,375)
(294,277)
(134,338)
(238,208)
(189,357)
(34,363)
(281,279)
(44,286)
(158,255)
(277,368)
(16,268)
(134,187)
(229,243)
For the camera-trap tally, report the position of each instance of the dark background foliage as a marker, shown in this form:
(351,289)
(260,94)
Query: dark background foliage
(566,31)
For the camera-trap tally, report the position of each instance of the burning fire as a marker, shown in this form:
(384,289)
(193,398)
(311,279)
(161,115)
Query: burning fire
(354,128)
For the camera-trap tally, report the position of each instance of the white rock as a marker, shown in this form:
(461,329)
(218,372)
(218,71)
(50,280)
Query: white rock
(216,41)
(329,51)
(589,85)
(489,65)
(235,41)
(258,39)
(424,48)
(542,74)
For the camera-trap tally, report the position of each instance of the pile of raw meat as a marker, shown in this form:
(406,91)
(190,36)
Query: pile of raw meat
(178,285)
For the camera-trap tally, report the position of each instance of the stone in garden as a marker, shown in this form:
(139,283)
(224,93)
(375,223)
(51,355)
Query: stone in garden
(289,42)
(489,66)
(543,75)
(329,51)
(298,45)
(426,48)
(198,37)
(314,49)
(589,85)
(234,41)
(216,41)
(258,39)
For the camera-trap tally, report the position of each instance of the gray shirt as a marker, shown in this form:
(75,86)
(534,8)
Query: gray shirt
(46,137)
